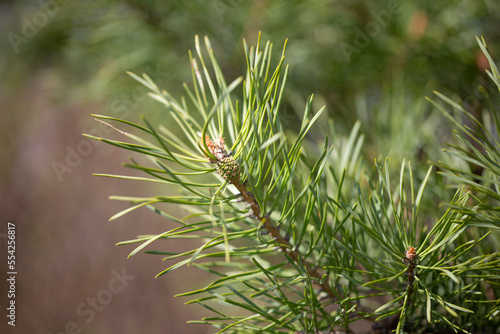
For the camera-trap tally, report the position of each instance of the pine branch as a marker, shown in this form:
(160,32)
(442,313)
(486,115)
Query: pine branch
(283,243)
(357,228)
(229,169)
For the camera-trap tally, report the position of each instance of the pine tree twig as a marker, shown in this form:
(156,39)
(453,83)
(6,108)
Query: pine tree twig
(410,261)
(229,169)
(387,325)
(283,243)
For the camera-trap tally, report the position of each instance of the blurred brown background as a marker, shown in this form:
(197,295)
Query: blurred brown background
(62,60)
(65,250)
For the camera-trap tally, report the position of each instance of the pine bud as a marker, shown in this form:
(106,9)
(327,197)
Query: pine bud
(229,169)
(225,165)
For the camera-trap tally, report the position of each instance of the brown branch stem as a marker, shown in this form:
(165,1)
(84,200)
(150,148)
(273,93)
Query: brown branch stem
(284,245)
(388,324)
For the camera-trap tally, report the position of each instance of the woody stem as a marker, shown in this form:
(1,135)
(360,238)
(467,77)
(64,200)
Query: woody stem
(284,245)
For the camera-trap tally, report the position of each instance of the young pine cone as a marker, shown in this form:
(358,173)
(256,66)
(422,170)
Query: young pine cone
(226,166)
(229,169)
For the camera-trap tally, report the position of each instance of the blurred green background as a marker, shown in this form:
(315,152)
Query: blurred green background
(63,60)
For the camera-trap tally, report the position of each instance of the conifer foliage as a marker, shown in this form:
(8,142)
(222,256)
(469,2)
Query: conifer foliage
(303,240)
